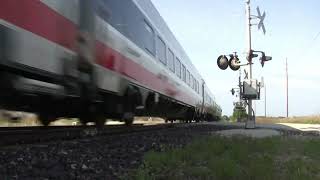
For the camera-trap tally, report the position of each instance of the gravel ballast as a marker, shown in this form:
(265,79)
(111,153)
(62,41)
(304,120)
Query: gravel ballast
(253,133)
(101,157)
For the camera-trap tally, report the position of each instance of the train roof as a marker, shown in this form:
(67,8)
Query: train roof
(157,21)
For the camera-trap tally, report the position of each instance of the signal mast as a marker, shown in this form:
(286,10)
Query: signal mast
(249,88)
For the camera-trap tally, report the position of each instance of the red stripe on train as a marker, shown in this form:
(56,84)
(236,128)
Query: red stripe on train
(115,61)
(38,18)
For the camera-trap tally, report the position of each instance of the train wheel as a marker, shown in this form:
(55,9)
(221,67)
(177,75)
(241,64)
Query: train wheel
(84,116)
(128,118)
(100,121)
(45,118)
(166,120)
(88,111)
(90,117)
(131,100)
(98,116)
(83,120)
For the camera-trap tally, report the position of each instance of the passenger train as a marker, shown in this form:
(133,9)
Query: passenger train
(95,60)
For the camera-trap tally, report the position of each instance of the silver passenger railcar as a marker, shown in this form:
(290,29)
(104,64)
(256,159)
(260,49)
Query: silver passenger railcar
(95,60)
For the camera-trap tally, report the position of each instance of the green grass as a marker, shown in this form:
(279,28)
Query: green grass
(235,158)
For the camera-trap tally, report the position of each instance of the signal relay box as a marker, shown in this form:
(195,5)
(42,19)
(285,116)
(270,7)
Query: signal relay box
(251,89)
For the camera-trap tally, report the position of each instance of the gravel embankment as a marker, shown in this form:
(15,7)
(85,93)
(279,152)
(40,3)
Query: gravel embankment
(253,133)
(101,157)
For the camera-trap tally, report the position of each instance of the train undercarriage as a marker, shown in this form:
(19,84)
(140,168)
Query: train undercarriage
(74,98)
(50,106)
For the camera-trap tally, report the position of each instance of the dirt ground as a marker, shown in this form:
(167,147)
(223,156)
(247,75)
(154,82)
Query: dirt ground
(314,119)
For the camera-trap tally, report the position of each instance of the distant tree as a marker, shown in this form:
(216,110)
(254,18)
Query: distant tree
(239,114)
(225,118)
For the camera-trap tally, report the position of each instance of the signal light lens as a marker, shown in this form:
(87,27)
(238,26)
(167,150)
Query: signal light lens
(234,63)
(222,62)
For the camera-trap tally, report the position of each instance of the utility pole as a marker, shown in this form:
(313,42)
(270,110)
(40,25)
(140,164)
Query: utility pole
(265,100)
(263,85)
(287,89)
(240,90)
(250,123)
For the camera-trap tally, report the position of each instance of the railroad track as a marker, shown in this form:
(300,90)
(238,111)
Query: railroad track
(39,134)
(30,135)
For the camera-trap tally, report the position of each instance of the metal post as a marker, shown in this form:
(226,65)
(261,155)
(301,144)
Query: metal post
(265,100)
(240,94)
(287,82)
(250,124)
(240,90)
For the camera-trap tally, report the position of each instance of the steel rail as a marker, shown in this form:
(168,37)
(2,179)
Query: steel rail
(31,135)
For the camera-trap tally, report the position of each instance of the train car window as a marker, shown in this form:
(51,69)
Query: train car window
(196,88)
(191,82)
(188,77)
(184,78)
(161,50)
(102,9)
(149,38)
(171,60)
(178,67)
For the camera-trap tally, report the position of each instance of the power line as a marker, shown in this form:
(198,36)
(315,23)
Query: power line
(311,45)
(315,38)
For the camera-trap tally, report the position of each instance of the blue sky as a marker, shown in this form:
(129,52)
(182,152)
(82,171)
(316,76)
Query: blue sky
(209,28)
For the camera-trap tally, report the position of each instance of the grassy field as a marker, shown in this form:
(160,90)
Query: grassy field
(235,158)
(300,120)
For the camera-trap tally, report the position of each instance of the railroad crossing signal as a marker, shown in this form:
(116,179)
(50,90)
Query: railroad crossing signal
(232,91)
(222,62)
(234,62)
(246,74)
(251,88)
(261,18)
(264,58)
